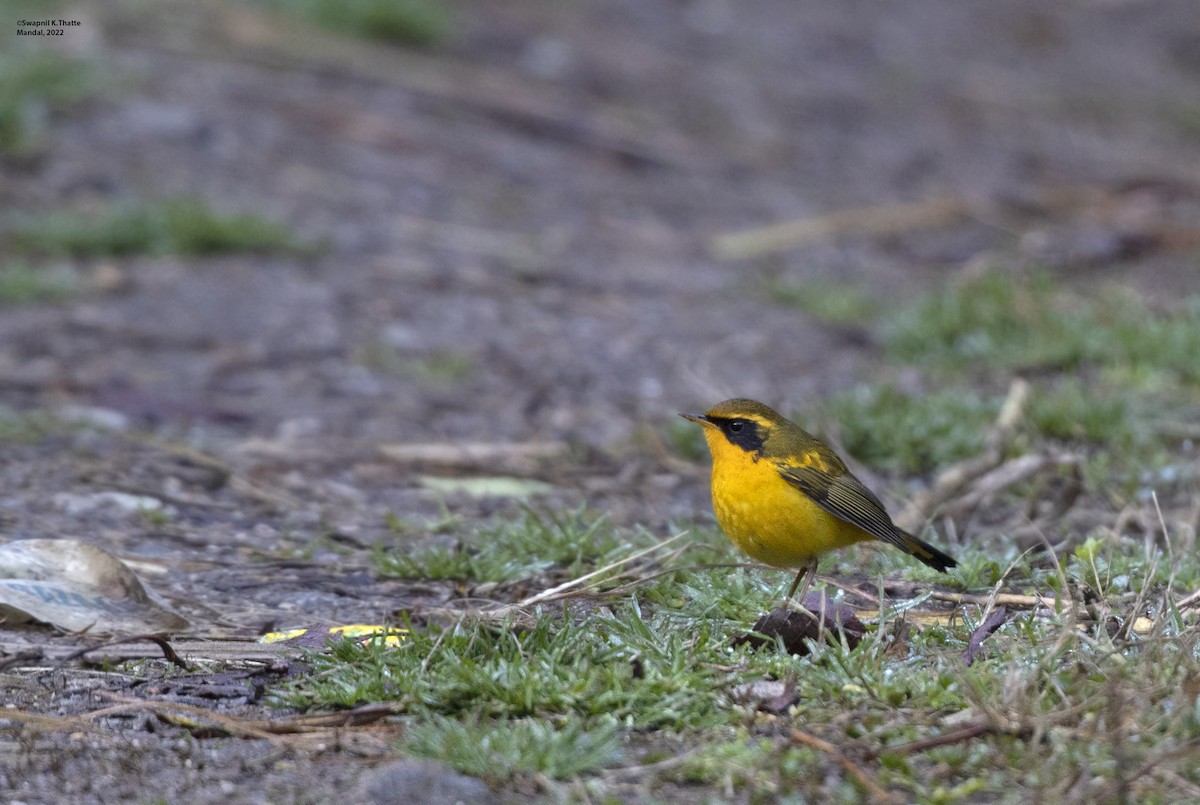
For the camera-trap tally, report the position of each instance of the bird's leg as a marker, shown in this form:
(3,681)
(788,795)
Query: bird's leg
(806,573)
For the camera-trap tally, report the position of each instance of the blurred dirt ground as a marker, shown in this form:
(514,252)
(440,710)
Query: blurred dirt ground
(518,230)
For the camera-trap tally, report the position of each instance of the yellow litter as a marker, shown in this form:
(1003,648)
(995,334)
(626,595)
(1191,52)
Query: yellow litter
(317,636)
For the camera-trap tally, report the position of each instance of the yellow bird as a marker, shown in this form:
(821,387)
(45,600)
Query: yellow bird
(784,497)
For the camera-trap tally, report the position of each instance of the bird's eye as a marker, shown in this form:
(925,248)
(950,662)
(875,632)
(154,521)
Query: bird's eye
(736,427)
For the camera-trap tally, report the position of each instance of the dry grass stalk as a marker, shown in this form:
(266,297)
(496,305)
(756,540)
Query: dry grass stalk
(879,220)
(953,480)
(864,779)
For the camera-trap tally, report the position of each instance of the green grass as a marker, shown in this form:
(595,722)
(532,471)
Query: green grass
(34,84)
(1010,322)
(1183,116)
(622,671)
(155,518)
(441,368)
(646,683)
(685,438)
(498,751)
(837,303)
(893,431)
(1133,374)
(1123,434)
(30,427)
(512,550)
(402,22)
(1072,413)
(182,226)
(22,284)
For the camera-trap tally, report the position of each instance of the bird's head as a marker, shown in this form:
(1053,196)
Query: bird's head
(744,424)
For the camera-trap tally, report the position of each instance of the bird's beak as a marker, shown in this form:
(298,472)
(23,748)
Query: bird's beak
(700,419)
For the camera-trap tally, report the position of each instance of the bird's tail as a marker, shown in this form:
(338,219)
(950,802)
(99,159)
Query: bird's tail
(925,552)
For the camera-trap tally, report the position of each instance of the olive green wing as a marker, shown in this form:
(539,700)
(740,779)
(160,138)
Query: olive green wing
(847,499)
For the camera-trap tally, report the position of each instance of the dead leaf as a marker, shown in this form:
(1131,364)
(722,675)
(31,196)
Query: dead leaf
(768,695)
(77,587)
(898,646)
(991,623)
(796,628)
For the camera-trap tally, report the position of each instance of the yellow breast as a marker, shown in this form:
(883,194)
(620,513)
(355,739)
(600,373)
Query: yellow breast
(766,516)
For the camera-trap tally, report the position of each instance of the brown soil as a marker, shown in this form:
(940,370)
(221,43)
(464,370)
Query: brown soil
(518,228)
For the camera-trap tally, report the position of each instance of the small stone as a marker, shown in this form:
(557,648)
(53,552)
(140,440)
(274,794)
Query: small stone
(82,504)
(757,692)
(421,782)
(103,418)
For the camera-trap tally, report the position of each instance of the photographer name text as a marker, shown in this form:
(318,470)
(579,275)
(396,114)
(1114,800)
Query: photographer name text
(44,27)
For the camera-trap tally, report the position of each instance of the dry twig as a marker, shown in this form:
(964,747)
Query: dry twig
(486,456)
(245,727)
(945,739)
(864,779)
(566,588)
(879,220)
(951,481)
(158,640)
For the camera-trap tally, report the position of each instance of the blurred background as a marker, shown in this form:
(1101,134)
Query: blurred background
(313,227)
(286,287)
